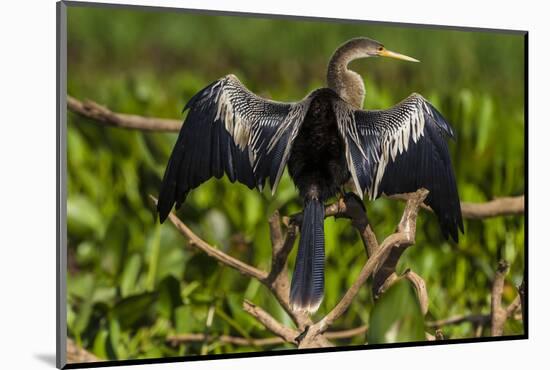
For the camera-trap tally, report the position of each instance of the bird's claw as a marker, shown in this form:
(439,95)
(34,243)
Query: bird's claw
(302,335)
(354,198)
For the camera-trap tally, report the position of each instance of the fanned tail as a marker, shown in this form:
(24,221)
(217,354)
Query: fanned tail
(308,281)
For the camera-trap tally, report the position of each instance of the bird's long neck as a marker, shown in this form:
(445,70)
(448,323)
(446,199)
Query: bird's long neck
(347,83)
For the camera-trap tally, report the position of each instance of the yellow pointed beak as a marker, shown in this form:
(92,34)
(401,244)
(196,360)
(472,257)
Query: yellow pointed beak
(391,54)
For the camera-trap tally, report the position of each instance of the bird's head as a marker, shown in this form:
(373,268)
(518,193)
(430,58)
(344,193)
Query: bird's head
(348,84)
(363,47)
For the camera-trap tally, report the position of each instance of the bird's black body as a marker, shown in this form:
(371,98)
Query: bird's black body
(317,162)
(318,168)
(325,140)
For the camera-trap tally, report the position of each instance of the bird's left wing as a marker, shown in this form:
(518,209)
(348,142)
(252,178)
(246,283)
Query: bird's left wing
(230,130)
(400,150)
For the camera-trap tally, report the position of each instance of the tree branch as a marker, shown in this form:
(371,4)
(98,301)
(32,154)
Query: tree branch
(404,236)
(476,320)
(76,354)
(498,314)
(215,253)
(504,206)
(257,342)
(103,115)
(277,279)
(270,323)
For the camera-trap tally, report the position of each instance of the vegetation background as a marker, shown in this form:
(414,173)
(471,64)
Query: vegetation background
(132,282)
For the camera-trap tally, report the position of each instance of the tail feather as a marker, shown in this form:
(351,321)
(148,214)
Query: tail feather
(308,281)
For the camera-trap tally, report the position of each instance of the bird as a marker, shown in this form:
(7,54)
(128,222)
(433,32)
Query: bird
(326,140)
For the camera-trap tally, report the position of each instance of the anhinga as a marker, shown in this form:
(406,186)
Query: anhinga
(325,140)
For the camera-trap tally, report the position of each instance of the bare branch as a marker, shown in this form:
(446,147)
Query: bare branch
(215,253)
(257,342)
(476,320)
(277,279)
(343,334)
(418,283)
(498,314)
(514,306)
(403,237)
(270,323)
(106,117)
(350,207)
(496,207)
(174,340)
(504,206)
(76,354)
(276,234)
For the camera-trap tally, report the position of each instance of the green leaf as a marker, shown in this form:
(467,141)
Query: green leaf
(169,296)
(100,344)
(186,322)
(128,280)
(396,316)
(134,308)
(83,217)
(114,336)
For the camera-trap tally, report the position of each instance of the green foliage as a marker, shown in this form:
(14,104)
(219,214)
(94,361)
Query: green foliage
(132,282)
(397,317)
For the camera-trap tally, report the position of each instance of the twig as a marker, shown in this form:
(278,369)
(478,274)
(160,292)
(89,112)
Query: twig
(103,115)
(513,307)
(277,279)
(418,283)
(174,340)
(497,207)
(76,354)
(498,314)
(504,206)
(403,237)
(476,320)
(269,322)
(257,342)
(215,253)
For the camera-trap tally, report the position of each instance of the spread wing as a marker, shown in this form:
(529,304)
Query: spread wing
(229,130)
(401,150)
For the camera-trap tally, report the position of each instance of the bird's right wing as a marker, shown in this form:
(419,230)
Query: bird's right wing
(230,130)
(400,150)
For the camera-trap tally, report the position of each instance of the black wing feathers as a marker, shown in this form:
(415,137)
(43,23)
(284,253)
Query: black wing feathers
(229,130)
(403,150)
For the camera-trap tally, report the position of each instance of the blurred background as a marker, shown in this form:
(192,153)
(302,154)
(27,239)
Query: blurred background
(132,282)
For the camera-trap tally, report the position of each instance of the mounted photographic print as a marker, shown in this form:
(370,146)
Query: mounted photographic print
(240,185)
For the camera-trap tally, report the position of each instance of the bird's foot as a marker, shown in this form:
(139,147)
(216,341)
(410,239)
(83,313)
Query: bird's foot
(354,209)
(302,335)
(354,200)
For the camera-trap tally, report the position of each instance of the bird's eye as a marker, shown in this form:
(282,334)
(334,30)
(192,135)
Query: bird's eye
(380,48)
